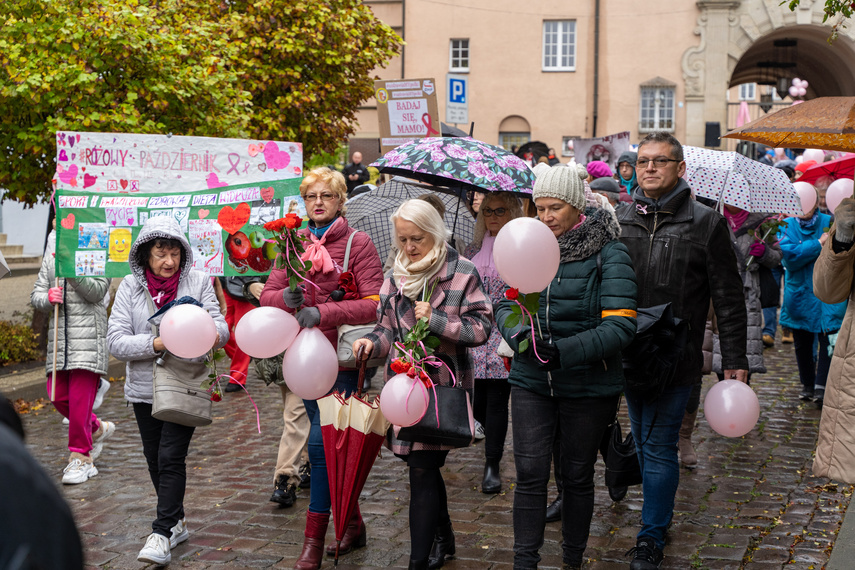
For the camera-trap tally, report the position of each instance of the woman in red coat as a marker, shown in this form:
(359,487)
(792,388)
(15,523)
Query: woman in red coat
(324,191)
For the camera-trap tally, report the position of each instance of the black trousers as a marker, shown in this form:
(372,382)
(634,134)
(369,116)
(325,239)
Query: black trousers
(491,409)
(165,446)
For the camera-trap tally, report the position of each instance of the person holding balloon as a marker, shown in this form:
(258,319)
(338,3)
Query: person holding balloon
(161,260)
(807,316)
(567,378)
(431,281)
(329,298)
(492,391)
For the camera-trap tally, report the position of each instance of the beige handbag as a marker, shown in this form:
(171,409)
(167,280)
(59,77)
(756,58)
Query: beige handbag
(176,386)
(348,334)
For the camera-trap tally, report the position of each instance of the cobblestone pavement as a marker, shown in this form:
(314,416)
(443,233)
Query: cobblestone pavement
(751,503)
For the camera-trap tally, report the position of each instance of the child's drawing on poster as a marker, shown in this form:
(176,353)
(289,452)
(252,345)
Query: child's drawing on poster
(90,263)
(296,206)
(123,217)
(181,215)
(120,244)
(263,212)
(92,236)
(207,244)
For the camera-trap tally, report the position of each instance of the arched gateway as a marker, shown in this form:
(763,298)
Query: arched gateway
(761,41)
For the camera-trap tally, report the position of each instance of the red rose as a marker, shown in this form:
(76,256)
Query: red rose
(293,221)
(275,226)
(512,294)
(400,366)
(216,397)
(411,372)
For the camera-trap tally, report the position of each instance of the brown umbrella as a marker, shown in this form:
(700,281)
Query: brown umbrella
(825,123)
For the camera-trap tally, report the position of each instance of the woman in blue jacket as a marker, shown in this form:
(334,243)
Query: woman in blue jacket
(807,316)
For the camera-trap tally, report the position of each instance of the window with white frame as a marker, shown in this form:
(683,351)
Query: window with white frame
(458,56)
(559,45)
(657,109)
(747,91)
(508,140)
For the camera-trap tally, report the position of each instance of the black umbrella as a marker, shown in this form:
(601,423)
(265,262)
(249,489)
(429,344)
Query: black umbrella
(536,148)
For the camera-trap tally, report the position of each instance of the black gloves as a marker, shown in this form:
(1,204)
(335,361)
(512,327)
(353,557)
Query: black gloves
(293,299)
(546,351)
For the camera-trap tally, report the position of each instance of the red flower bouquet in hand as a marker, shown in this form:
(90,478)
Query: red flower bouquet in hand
(290,246)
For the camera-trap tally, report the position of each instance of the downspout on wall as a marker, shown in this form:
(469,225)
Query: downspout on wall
(596,68)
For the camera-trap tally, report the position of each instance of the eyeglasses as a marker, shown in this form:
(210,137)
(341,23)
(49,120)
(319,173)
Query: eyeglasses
(658,162)
(326,197)
(498,212)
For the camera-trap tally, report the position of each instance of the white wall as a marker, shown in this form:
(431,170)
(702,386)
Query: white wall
(24,225)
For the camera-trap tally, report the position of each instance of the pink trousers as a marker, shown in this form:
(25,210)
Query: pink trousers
(75,394)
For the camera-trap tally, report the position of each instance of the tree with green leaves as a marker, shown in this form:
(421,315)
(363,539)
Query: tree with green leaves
(267,69)
(839,9)
(309,65)
(109,66)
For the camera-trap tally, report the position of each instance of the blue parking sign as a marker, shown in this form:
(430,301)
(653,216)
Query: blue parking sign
(457,99)
(457,90)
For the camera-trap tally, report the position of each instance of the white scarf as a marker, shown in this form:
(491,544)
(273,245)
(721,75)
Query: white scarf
(415,275)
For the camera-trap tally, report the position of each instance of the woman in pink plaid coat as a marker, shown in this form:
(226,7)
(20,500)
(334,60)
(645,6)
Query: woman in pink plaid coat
(430,280)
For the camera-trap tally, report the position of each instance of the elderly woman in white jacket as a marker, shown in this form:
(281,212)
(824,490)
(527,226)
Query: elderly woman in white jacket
(161,261)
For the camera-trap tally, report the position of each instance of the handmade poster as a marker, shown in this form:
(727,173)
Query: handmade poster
(407,110)
(224,227)
(608,149)
(132,163)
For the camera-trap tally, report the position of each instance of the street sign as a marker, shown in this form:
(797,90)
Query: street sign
(457,99)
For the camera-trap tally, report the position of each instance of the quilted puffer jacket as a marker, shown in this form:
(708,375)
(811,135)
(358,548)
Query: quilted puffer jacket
(835,448)
(82,325)
(129,335)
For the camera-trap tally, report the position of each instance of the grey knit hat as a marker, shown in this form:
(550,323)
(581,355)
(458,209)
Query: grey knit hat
(564,183)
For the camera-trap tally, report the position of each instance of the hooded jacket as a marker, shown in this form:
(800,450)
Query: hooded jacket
(588,312)
(835,447)
(129,335)
(82,324)
(682,255)
(626,185)
(801,309)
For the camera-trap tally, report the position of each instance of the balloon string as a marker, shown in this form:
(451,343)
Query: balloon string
(257,414)
(418,365)
(288,261)
(526,313)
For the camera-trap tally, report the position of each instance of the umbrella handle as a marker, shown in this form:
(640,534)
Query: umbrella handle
(361,366)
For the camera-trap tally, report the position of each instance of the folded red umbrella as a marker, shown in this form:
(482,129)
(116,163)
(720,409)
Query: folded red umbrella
(353,429)
(839,168)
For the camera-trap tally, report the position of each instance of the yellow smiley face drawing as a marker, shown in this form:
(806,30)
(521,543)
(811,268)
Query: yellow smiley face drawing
(120,244)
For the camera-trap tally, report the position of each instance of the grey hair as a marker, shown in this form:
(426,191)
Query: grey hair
(509,201)
(424,216)
(664,137)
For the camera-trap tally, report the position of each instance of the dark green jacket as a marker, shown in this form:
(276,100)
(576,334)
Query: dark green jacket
(589,313)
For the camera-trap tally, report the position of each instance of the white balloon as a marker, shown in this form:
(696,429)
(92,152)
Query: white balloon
(837,191)
(807,196)
(310,365)
(814,154)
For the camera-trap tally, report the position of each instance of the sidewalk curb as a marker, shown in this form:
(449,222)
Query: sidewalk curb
(31,384)
(843,552)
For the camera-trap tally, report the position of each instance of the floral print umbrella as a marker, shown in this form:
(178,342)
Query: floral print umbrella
(737,180)
(459,162)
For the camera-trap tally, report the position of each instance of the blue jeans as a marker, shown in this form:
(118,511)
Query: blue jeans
(578,424)
(770,321)
(319,495)
(657,455)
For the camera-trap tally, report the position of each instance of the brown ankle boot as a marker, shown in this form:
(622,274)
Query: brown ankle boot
(354,535)
(313,546)
(688,457)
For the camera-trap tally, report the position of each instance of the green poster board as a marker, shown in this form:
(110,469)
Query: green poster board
(223,225)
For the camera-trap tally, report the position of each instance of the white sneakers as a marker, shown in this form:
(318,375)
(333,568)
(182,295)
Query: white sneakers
(80,468)
(105,430)
(179,533)
(103,386)
(157,547)
(156,550)
(479,430)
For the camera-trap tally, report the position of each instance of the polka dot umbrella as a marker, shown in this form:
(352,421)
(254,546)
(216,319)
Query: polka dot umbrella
(734,179)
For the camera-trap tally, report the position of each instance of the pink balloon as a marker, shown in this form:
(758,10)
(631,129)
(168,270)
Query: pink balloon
(807,195)
(793,91)
(310,365)
(403,400)
(814,154)
(802,91)
(837,192)
(266,331)
(731,408)
(796,81)
(526,255)
(188,331)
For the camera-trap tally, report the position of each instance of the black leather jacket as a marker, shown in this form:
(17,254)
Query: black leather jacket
(682,254)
